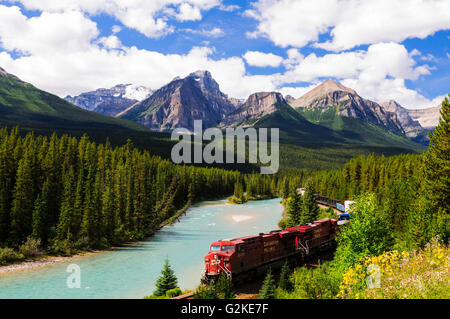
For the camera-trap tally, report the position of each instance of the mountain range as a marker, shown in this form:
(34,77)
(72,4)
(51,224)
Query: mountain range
(325,127)
(32,109)
(111,101)
(198,96)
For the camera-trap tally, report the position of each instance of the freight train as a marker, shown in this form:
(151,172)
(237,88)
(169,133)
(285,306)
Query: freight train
(244,258)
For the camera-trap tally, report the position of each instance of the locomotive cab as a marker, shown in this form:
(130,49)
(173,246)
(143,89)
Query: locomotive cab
(218,259)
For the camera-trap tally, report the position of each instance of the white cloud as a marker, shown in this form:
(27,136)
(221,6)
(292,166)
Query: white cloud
(292,22)
(297,92)
(229,8)
(116,29)
(63,53)
(188,12)
(261,59)
(351,22)
(294,57)
(111,42)
(379,73)
(46,33)
(148,17)
(70,59)
(213,33)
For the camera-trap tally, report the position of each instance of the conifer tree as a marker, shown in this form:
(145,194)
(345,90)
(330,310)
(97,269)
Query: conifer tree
(294,209)
(41,214)
(268,288)
(23,203)
(310,210)
(64,230)
(224,287)
(437,171)
(285,281)
(166,281)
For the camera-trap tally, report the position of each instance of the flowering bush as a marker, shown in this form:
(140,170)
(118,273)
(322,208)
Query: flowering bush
(417,274)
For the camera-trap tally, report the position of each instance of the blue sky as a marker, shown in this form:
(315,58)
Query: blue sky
(382,50)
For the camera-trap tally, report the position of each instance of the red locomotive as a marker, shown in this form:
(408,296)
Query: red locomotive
(246,257)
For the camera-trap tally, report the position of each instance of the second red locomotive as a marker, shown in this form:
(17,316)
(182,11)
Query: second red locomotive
(246,257)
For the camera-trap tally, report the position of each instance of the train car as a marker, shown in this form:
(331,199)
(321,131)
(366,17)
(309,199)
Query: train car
(245,257)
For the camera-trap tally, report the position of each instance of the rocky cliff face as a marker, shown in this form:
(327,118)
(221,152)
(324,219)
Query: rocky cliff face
(333,94)
(428,118)
(179,103)
(411,127)
(256,106)
(110,101)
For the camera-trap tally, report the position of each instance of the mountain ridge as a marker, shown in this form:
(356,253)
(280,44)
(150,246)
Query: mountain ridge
(180,102)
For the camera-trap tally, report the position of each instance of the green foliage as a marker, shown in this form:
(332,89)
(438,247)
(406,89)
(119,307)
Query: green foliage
(268,288)
(224,287)
(75,194)
(173,292)
(206,292)
(321,282)
(437,172)
(285,281)
(31,248)
(368,234)
(310,210)
(294,209)
(8,255)
(167,281)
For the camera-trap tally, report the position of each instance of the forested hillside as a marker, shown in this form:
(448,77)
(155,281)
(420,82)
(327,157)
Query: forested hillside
(73,194)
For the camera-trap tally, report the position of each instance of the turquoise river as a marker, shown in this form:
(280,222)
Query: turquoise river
(131,271)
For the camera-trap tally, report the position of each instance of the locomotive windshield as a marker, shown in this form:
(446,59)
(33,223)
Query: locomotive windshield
(228,248)
(215,248)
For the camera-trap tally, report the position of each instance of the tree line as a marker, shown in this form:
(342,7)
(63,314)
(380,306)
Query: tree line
(73,194)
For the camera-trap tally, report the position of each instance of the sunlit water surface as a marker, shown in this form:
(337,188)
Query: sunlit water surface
(131,272)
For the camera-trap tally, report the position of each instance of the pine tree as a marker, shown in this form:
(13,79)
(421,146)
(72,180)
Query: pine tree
(437,171)
(64,230)
(294,209)
(268,288)
(285,281)
(41,214)
(310,210)
(167,281)
(23,203)
(224,287)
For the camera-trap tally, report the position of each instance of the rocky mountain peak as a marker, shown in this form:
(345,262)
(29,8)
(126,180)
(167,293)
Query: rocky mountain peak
(111,101)
(265,99)
(329,88)
(256,106)
(206,82)
(411,127)
(179,103)
(333,94)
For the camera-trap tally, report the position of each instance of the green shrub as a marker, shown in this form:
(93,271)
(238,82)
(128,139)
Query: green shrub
(206,292)
(9,255)
(173,292)
(315,283)
(31,248)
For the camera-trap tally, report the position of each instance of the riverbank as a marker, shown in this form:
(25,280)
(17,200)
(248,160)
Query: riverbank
(43,261)
(131,271)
